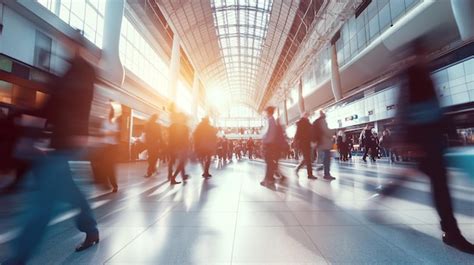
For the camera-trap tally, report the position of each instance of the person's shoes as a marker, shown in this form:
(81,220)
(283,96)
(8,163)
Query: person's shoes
(458,242)
(91,239)
(185,177)
(115,189)
(149,174)
(265,183)
(297,170)
(365,160)
(329,177)
(174,182)
(277,176)
(312,177)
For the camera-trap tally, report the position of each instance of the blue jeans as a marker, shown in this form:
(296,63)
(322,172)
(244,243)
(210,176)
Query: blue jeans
(55,185)
(326,162)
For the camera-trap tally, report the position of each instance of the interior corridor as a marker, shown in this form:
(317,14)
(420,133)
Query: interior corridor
(231,219)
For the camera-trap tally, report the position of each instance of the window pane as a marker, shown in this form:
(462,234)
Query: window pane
(397,7)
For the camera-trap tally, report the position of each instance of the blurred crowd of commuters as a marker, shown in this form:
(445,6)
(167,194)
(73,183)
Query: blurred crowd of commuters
(420,120)
(240,130)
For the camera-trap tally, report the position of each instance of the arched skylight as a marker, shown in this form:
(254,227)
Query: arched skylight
(241,27)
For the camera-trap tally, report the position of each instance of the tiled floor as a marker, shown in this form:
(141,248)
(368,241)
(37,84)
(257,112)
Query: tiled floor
(231,219)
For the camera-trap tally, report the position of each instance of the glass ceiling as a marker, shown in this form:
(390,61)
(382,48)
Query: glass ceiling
(241,27)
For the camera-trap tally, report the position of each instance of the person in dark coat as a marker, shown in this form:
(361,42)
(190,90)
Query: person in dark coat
(153,140)
(342,146)
(386,144)
(423,124)
(250,148)
(106,157)
(370,144)
(178,148)
(225,149)
(67,113)
(303,142)
(230,150)
(205,144)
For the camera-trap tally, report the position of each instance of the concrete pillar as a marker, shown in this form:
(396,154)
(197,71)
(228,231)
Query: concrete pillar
(174,68)
(285,112)
(111,67)
(195,97)
(463,11)
(335,76)
(300,96)
(376,127)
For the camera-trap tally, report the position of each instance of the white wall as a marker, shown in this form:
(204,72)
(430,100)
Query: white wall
(18,37)
(18,41)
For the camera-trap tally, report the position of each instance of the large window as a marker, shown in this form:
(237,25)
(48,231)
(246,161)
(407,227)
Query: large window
(85,15)
(455,83)
(241,111)
(292,97)
(317,73)
(138,56)
(184,99)
(42,57)
(358,32)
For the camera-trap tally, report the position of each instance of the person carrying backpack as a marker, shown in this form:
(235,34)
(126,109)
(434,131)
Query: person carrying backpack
(322,135)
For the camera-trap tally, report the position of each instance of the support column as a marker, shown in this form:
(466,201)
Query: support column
(300,96)
(195,97)
(285,112)
(174,68)
(376,127)
(463,11)
(112,68)
(335,76)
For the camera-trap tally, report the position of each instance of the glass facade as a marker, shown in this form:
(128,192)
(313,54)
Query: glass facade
(358,33)
(240,123)
(318,72)
(138,56)
(241,111)
(355,35)
(455,83)
(184,99)
(292,98)
(85,15)
(373,107)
